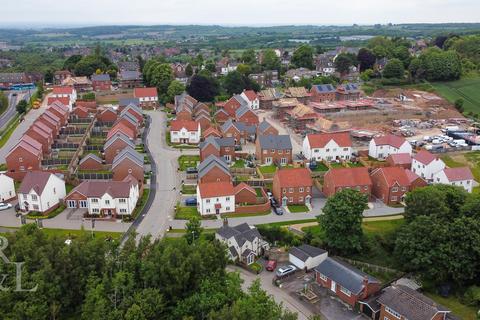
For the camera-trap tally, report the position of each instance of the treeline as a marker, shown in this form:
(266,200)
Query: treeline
(93,279)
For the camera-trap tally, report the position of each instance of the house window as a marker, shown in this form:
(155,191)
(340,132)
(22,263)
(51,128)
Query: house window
(227,149)
(394,198)
(345,149)
(94,200)
(207,201)
(404,189)
(290,190)
(272,151)
(107,201)
(345,291)
(122,200)
(95,210)
(54,190)
(71,203)
(227,198)
(129,170)
(83,204)
(208,210)
(280,151)
(323,277)
(300,189)
(35,207)
(25,196)
(284,190)
(34,197)
(287,151)
(300,199)
(290,199)
(394,189)
(393,312)
(308,189)
(22,168)
(365,188)
(227,208)
(20,159)
(218,200)
(327,150)
(265,151)
(123,210)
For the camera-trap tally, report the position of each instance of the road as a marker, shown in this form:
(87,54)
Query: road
(13,98)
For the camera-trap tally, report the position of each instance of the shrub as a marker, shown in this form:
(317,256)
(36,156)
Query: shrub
(472,296)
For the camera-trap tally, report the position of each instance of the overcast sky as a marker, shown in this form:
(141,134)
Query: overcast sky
(235,12)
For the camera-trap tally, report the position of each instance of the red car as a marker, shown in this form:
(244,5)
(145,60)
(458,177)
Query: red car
(271,265)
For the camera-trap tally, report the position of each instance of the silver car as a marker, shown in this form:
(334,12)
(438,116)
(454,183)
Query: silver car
(286,270)
(5,206)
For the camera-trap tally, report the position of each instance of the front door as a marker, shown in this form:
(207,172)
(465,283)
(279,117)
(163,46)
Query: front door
(333,286)
(283,161)
(268,160)
(284,202)
(217,211)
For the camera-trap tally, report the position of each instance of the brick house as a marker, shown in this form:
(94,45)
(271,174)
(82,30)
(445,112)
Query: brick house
(401,302)
(134,111)
(345,281)
(233,104)
(184,112)
(128,121)
(299,93)
(214,169)
(115,144)
(61,111)
(108,116)
(60,76)
(51,120)
(252,99)
(211,131)
(204,120)
(390,184)
(128,163)
(274,149)
(185,131)
(129,79)
(292,186)
(246,115)
(221,116)
(80,112)
(121,128)
(349,91)
(230,130)
(336,180)
(148,97)
(268,96)
(40,191)
(25,156)
(101,82)
(265,129)
(220,147)
(90,105)
(91,162)
(41,136)
(322,93)
(245,194)
(403,160)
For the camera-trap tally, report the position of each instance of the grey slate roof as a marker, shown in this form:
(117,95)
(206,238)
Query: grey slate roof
(130,75)
(12,77)
(229,123)
(241,233)
(243,102)
(129,117)
(100,77)
(130,153)
(212,161)
(306,251)
(127,101)
(409,303)
(275,142)
(217,142)
(344,274)
(324,88)
(118,135)
(241,111)
(91,156)
(243,127)
(264,125)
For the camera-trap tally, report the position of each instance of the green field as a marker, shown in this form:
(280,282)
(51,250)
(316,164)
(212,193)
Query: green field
(466,89)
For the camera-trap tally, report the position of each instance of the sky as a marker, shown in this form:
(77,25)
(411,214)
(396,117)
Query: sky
(235,12)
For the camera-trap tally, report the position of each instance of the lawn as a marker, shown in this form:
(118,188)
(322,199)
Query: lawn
(268,169)
(185,213)
(320,167)
(258,191)
(454,304)
(336,165)
(140,203)
(39,215)
(240,215)
(296,208)
(466,89)
(355,164)
(187,161)
(11,126)
(189,189)
(240,163)
(72,234)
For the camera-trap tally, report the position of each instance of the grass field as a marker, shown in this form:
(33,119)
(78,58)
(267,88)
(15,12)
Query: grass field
(466,89)
(454,304)
(471,159)
(298,208)
(186,213)
(187,161)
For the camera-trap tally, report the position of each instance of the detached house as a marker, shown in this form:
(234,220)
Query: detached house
(40,191)
(148,97)
(7,188)
(215,198)
(323,93)
(426,164)
(219,147)
(129,79)
(336,180)
(274,149)
(292,186)
(252,99)
(101,82)
(349,91)
(403,160)
(65,92)
(25,156)
(461,177)
(328,146)
(345,281)
(246,115)
(105,198)
(235,103)
(390,184)
(185,131)
(244,242)
(383,146)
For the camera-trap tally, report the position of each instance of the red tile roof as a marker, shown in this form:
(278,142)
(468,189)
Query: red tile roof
(145,92)
(86,104)
(51,115)
(212,131)
(177,125)
(62,90)
(26,146)
(42,126)
(400,158)
(34,143)
(349,177)
(62,100)
(120,127)
(394,175)
(251,95)
(412,176)
(320,140)
(390,139)
(296,177)
(97,188)
(425,157)
(458,174)
(215,189)
(242,186)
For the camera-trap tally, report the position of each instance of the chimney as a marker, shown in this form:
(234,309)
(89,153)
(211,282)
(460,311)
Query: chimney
(365,287)
(225,222)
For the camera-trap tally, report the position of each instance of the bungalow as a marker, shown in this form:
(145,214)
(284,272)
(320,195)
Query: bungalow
(461,177)
(426,165)
(128,163)
(105,198)
(252,99)
(108,115)
(306,257)
(322,93)
(403,160)
(244,242)
(91,162)
(121,128)
(7,188)
(220,147)
(274,149)
(101,82)
(265,128)
(383,146)
(390,184)
(25,156)
(328,146)
(185,131)
(401,302)
(214,169)
(215,198)
(148,97)
(345,281)
(246,115)
(129,79)
(40,191)
(292,186)
(245,194)
(336,180)
(115,144)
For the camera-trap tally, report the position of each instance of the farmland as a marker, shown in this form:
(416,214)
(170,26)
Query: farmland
(466,89)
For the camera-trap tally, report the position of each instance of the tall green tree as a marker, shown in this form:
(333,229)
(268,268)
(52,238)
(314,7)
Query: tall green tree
(249,56)
(203,88)
(270,60)
(22,106)
(193,230)
(344,61)
(189,70)
(394,69)
(3,102)
(366,59)
(303,57)
(342,215)
(175,88)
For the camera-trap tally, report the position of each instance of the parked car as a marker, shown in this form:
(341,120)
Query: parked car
(5,206)
(271,265)
(191,201)
(191,170)
(273,202)
(278,211)
(285,271)
(270,195)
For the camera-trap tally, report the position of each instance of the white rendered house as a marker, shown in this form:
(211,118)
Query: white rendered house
(327,146)
(383,146)
(7,188)
(185,131)
(252,99)
(215,198)
(461,177)
(40,191)
(425,165)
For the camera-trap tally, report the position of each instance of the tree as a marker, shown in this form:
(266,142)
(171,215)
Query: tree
(244,69)
(342,215)
(193,230)
(234,83)
(203,88)
(270,61)
(424,202)
(344,61)
(403,54)
(188,70)
(394,69)
(175,88)
(71,62)
(303,57)
(366,59)
(49,75)
(471,206)
(249,57)
(459,104)
(437,65)
(22,106)
(90,96)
